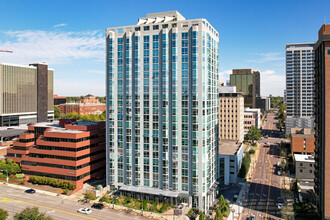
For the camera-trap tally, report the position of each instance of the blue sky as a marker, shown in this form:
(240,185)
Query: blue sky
(69,35)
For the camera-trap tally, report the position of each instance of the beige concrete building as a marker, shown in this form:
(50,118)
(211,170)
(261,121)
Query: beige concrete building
(231,116)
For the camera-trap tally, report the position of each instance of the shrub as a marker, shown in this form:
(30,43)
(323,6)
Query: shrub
(20,175)
(3,214)
(99,187)
(121,200)
(252,151)
(31,213)
(41,180)
(65,191)
(106,199)
(245,165)
(89,196)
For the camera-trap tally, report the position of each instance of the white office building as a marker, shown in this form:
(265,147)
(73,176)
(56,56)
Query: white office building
(162,109)
(299,86)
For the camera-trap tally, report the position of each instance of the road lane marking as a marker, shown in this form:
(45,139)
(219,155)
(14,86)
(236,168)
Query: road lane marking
(5,199)
(270,183)
(55,209)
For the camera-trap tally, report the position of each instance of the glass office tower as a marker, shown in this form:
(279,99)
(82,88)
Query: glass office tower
(162,109)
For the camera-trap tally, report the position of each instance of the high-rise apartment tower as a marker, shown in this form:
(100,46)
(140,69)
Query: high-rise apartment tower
(299,86)
(162,109)
(322,122)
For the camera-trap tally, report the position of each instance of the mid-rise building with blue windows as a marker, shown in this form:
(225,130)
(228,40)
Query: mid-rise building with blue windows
(162,109)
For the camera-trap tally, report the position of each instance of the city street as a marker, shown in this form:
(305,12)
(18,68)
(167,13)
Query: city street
(15,200)
(265,186)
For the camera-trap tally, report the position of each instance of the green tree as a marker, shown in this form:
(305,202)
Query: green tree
(31,214)
(3,214)
(10,166)
(201,216)
(253,134)
(245,165)
(57,112)
(218,215)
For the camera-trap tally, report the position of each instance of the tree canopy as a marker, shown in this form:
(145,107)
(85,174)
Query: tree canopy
(253,134)
(10,166)
(87,117)
(3,214)
(57,112)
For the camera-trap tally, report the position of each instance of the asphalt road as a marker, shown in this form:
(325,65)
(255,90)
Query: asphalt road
(15,200)
(265,186)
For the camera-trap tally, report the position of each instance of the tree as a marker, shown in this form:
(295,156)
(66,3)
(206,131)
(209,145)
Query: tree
(253,134)
(287,212)
(3,214)
(201,216)
(10,166)
(31,213)
(218,215)
(57,112)
(245,165)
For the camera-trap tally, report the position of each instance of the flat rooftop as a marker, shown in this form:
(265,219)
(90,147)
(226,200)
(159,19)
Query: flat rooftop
(303,135)
(304,158)
(229,147)
(54,127)
(11,132)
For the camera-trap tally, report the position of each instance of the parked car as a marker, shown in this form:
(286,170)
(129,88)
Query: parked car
(31,191)
(97,206)
(279,164)
(279,205)
(252,217)
(86,211)
(279,173)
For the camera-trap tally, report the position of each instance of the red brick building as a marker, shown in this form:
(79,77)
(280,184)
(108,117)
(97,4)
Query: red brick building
(74,151)
(89,105)
(302,141)
(59,100)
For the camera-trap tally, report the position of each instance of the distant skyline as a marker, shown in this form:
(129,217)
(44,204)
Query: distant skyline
(70,35)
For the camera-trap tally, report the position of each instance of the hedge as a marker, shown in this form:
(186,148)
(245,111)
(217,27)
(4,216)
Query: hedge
(41,180)
(245,165)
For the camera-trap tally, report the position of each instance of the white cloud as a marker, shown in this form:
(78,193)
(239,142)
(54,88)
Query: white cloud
(59,25)
(224,75)
(272,82)
(52,47)
(266,57)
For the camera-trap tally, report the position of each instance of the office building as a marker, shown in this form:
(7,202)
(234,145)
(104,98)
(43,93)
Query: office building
(322,121)
(73,151)
(252,117)
(302,141)
(247,81)
(263,103)
(299,86)
(162,103)
(26,94)
(59,100)
(88,105)
(230,161)
(231,115)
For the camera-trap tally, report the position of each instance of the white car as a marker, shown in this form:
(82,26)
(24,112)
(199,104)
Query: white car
(85,211)
(279,205)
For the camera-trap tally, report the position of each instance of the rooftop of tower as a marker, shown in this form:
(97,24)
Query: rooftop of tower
(160,17)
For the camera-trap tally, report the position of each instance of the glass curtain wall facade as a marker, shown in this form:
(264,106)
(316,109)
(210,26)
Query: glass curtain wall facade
(300,79)
(162,106)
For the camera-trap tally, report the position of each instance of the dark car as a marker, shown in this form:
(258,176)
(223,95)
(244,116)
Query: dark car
(98,206)
(31,191)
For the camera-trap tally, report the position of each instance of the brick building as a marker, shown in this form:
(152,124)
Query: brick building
(73,151)
(89,105)
(302,141)
(59,100)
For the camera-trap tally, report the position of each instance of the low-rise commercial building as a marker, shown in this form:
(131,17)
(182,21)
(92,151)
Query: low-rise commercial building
(89,105)
(252,117)
(304,166)
(230,158)
(302,141)
(59,100)
(6,139)
(73,151)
